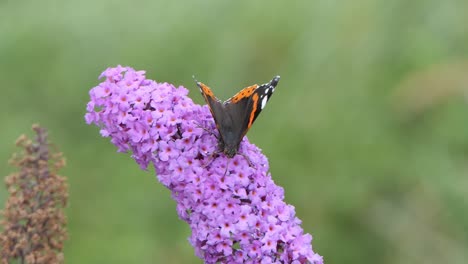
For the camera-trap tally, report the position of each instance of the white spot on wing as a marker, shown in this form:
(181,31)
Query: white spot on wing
(264,101)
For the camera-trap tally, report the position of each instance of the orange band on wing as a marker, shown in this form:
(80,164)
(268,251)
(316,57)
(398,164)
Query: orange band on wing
(206,90)
(254,109)
(246,92)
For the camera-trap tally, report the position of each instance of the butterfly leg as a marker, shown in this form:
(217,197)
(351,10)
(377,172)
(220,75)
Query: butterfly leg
(207,130)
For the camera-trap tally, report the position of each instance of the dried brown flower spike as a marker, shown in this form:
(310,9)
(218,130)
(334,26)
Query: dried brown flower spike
(33,220)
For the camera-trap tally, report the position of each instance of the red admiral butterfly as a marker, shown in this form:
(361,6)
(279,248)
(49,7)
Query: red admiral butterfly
(235,116)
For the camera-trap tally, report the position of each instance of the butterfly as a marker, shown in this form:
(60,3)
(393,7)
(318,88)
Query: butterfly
(235,116)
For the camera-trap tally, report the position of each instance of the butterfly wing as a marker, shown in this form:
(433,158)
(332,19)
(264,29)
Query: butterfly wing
(215,105)
(246,105)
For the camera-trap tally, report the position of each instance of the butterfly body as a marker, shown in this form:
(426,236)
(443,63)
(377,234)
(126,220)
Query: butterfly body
(235,116)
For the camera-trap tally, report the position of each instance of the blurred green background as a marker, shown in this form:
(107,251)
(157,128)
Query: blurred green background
(367,131)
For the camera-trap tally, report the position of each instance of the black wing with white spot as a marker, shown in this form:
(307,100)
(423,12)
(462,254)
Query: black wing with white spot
(260,98)
(248,103)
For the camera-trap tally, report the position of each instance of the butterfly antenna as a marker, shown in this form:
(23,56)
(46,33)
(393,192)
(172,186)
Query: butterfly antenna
(211,158)
(248,160)
(227,166)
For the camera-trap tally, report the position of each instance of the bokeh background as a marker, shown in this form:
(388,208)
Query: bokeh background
(367,131)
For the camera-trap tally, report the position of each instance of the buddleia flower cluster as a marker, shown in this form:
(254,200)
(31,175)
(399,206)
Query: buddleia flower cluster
(234,209)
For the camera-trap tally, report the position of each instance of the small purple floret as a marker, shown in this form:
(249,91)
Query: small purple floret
(237,216)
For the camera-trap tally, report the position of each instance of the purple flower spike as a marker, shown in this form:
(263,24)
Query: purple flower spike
(236,216)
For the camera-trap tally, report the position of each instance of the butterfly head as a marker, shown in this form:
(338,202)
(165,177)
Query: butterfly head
(230,150)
